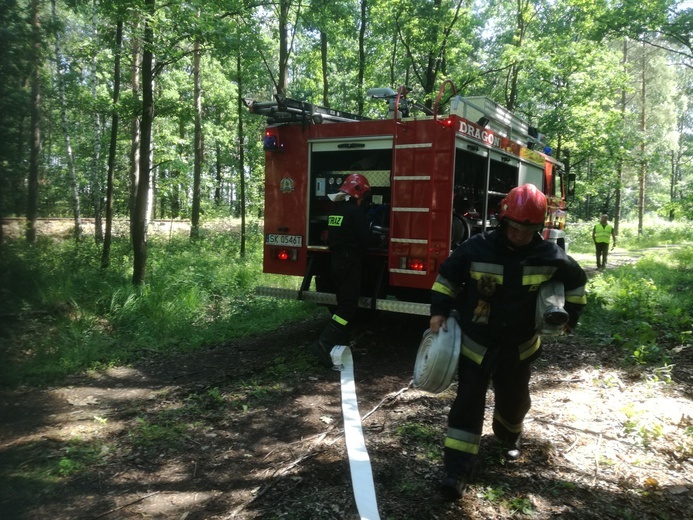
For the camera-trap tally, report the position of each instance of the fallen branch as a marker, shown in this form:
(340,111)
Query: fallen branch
(127,505)
(582,430)
(274,479)
(570,448)
(320,438)
(596,460)
(388,397)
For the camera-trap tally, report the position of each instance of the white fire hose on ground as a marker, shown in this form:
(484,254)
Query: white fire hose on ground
(436,364)
(359,463)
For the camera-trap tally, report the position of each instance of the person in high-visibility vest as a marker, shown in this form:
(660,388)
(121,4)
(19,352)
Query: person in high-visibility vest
(601,235)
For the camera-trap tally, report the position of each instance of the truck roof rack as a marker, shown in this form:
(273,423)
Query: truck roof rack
(286,110)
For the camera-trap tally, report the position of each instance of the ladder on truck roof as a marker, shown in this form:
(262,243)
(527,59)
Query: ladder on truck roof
(287,110)
(486,112)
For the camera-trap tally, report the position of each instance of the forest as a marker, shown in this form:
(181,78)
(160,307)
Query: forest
(133,109)
(142,376)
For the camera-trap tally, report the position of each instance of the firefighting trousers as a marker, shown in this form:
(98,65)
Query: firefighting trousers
(346,268)
(466,418)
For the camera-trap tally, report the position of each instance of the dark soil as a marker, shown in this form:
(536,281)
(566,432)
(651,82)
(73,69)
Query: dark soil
(252,429)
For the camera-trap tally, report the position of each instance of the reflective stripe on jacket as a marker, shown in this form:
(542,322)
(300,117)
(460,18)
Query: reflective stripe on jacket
(494,289)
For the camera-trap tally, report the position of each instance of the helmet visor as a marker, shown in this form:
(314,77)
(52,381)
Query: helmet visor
(531,228)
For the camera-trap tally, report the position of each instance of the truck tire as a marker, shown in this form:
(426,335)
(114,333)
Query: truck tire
(461,231)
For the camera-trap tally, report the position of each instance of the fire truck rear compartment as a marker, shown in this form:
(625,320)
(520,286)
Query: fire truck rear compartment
(331,163)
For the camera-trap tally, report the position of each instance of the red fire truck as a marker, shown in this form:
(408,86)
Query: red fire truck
(435,180)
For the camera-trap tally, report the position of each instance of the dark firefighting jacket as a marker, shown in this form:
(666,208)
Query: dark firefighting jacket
(348,229)
(494,289)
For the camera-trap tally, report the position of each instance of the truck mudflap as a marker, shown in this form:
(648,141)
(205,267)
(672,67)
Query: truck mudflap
(322,298)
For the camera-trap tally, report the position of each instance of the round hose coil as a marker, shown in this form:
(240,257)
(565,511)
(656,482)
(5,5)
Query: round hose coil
(436,360)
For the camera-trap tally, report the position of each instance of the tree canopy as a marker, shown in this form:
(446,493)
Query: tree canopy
(608,82)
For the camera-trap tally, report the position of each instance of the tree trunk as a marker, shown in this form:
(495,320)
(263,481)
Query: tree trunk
(106,253)
(362,56)
(74,184)
(134,129)
(139,225)
(219,179)
(174,175)
(97,198)
(35,152)
(643,146)
(241,140)
(283,46)
(325,82)
(197,168)
(433,61)
(619,161)
(393,60)
(514,72)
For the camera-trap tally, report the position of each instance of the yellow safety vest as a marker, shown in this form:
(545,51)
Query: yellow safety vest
(602,234)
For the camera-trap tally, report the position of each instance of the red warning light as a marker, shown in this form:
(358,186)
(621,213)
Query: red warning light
(285,255)
(416,264)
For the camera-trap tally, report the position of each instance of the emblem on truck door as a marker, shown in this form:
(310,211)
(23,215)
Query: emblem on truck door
(286,185)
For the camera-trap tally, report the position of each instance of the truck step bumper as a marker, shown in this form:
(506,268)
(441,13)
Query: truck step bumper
(321,298)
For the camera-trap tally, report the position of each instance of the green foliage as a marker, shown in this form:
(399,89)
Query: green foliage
(62,313)
(515,505)
(640,426)
(36,468)
(424,439)
(418,432)
(166,433)
(79,455)
(492,494)
(521,505)
(560,65)
(645,310)
(656,232)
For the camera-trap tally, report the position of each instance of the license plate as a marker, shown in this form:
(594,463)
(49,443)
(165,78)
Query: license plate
(284,240)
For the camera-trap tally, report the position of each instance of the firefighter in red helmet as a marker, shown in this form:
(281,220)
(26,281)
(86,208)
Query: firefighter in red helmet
(349,235)
(492,280)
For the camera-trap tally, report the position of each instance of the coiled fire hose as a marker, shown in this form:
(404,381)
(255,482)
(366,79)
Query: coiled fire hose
(436,359)
(359,463)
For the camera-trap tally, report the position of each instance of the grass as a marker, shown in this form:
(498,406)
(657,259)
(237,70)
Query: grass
(646,309)
(35,470)
(656,232)
(425,438)
(60,313)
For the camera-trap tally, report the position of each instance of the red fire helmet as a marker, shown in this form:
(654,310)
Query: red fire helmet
(355,185)
(524,205)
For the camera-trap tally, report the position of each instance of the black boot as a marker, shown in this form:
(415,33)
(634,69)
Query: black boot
(333,334)
(453,487)
(322,353)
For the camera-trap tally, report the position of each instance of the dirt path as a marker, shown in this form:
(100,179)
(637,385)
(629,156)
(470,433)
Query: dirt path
(252,430)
